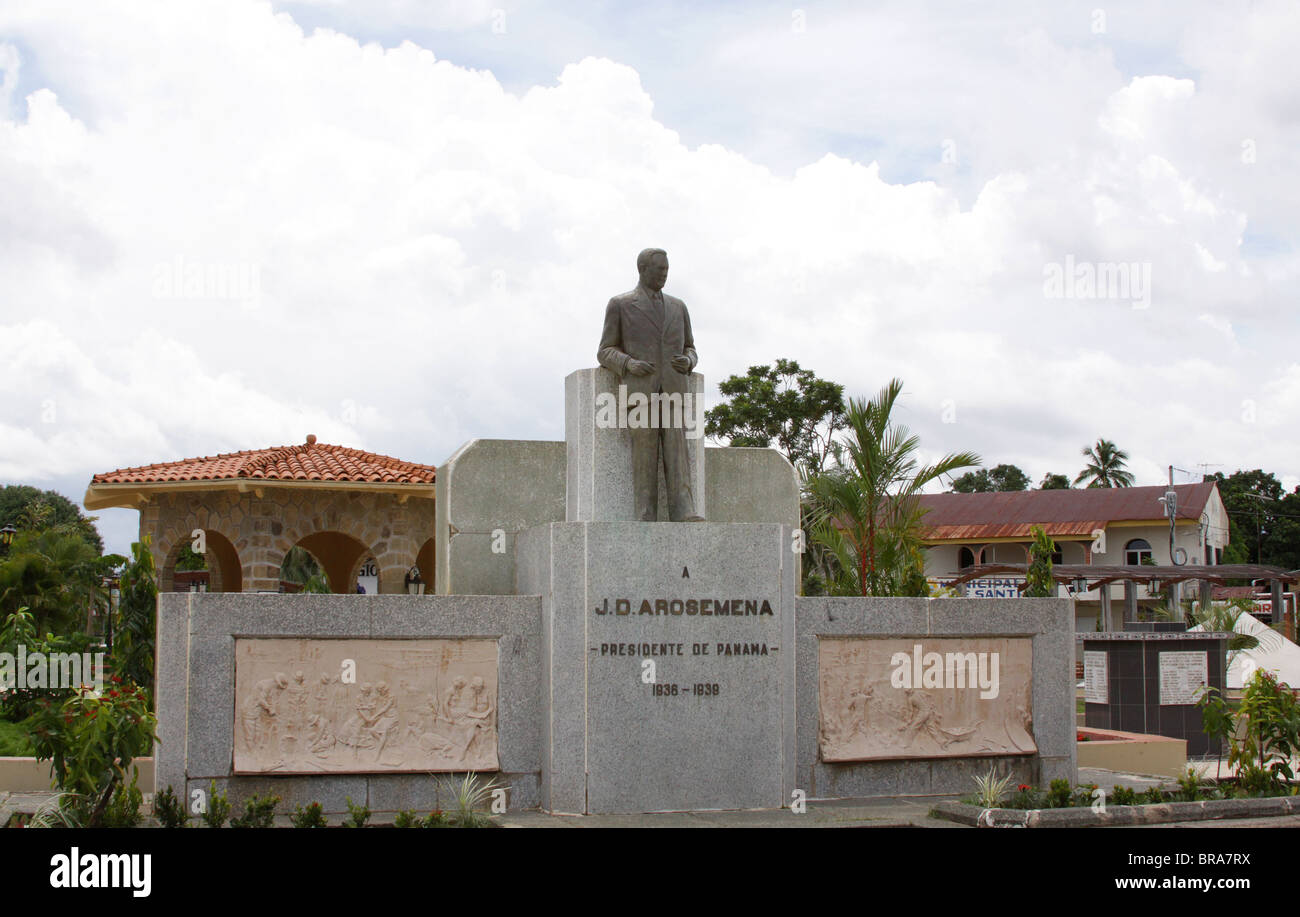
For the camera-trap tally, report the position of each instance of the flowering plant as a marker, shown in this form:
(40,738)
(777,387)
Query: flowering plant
(92,741)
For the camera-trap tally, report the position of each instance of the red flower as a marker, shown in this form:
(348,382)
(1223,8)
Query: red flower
(1024,787)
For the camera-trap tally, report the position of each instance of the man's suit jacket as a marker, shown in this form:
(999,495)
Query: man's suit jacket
(635,329)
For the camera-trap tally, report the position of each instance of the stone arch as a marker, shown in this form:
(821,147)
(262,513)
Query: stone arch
(354,575)
(225,571)
(424,560)
(339,554)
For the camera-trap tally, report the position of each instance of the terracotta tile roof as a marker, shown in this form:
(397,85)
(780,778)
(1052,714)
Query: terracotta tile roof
(952,517)
(311,461)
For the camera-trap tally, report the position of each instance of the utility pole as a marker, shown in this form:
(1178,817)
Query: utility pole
(1259,524)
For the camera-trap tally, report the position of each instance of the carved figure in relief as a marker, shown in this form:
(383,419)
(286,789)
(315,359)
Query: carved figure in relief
(320,738)
(293,714)
(412,719)
(453,700)
(923,716)
(859,703)
(357,731)
(259,713)
(385,718)
(480,713)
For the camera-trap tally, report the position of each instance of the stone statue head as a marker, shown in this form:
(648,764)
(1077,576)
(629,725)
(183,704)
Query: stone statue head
(652,265)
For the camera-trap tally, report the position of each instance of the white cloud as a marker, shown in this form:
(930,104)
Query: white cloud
(430,254)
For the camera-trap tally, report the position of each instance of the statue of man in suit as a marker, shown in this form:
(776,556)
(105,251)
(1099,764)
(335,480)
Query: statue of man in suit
(647,343)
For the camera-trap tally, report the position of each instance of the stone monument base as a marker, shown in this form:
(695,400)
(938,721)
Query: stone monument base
(668,664)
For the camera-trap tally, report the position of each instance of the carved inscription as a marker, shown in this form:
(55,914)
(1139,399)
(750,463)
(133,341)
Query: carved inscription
(925,697)
(693,610)
(365,706)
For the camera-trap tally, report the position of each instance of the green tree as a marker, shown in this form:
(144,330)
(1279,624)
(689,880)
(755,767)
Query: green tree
(782,404)
(1052,481)
(299,566)
(1038,578)
(133,637)
(188,559)
(1264,521)
(57,574)
(867,514)
(1105,466)
(988,480)
(16,509)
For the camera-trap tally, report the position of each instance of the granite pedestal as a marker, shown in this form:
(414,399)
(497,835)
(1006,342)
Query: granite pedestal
(667,671)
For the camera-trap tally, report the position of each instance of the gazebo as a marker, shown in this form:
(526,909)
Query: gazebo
(248,509)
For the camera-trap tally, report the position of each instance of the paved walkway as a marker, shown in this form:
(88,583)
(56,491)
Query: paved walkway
(880,812)
(12,804)
(884,812)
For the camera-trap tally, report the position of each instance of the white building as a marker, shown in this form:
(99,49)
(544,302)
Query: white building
(1111,526)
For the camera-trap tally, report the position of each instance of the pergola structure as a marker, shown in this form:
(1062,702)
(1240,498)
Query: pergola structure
(342,505)
(1086,577)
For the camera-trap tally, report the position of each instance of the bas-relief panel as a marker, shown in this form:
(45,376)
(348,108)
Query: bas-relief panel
(925,698)
(365,706)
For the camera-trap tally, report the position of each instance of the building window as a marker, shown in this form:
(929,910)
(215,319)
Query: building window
(1136,552)
(1057,554)
(965,558)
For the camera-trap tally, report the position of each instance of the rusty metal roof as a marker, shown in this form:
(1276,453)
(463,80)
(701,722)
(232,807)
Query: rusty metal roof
(1012,514)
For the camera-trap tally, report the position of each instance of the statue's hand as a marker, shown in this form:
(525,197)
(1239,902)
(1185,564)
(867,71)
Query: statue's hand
(682,363)
(640,367)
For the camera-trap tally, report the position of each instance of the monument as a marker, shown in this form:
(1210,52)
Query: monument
(594,658)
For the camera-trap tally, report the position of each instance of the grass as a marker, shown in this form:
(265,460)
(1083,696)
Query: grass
(14,741)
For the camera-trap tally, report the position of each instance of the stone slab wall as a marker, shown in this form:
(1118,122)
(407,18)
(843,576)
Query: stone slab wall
(196,690)
(490,490)
(1049,623)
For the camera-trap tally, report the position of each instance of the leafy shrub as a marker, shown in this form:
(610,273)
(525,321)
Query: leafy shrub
(357,815)
(20,628)
(169,810)
(1123,796)
(1026,797)
(14,741)
(408,818)
(123,810)
(1058,794)
(92,742)
(134,638)
(259,812)
(218,809)
(1153,796)
(313,816)
(1272,734)
(436,819)
(1084,795)
(1189,786)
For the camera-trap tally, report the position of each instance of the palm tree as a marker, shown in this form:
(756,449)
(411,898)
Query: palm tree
(57,574)
(1105,466)
(866,513)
